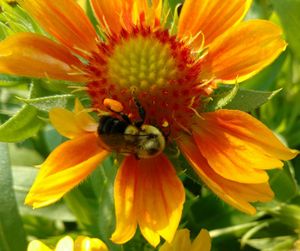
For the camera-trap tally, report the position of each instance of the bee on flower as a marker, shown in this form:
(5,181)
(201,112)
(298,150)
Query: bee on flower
(147,78)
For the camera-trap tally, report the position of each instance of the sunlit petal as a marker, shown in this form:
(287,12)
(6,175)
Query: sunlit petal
(65,244)
(125,201)
(72,124)
(37,246)
(202,242)
(211,17)
(243,51)
(180,242)
(66,21)
(83,243)
(113,20)
(65,167)
(234,193)
(155,198)
(31,55)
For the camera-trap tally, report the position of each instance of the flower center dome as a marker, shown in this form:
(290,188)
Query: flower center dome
(153,67)
(141,62)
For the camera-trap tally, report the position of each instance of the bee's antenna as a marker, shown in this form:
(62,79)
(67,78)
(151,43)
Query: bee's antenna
(141,111)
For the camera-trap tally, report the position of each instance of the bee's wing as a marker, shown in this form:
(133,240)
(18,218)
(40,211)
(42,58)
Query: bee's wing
(121,143)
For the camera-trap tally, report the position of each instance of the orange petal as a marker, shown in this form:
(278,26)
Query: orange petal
(236,194)
(66,21)
(113,14)
(233,155)
(180,242)
(155,198)
(65,167)
(83,119)
(31,55)
(151,13)
(202,241)
(243,51)
(125,201)
(72,124)
(211,17)
(250,130)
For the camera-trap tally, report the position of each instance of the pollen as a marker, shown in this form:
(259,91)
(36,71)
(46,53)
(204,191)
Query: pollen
(153,67)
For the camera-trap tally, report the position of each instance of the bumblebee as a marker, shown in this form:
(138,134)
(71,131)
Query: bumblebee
(126,137)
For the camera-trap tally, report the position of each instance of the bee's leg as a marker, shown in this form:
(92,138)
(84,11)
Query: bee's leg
(125,118)
(141,111)
(117,108)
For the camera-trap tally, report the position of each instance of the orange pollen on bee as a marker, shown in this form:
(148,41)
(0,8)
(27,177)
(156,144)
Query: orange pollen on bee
(151,66)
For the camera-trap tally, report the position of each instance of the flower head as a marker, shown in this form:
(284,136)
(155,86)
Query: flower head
(82,243)
(158,74)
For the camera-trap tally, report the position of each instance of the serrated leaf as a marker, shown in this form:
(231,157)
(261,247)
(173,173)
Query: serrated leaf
(12,236)
(47,103)
(222,97)
(289,14)
(21,126)
(249,100)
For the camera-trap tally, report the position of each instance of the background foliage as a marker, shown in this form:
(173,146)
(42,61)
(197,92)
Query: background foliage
(88,209)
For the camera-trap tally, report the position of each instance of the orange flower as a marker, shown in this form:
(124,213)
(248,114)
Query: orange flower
(168,69)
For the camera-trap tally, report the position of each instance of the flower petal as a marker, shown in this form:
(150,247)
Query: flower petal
(247,128)
(124,195)
(37,246)
(83,243)
(202,242)
(65,244)
(233,155)
(180,242)
(113,14)
(236,194)
(66,21)
(72,124)
(153,198)
(211,17)
(65,167)
(31,55)
(64,121)
(243,51)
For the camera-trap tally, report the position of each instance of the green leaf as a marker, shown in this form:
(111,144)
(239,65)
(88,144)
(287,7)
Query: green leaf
(12,236)
(244,100)
(23,177)
(21,126)
(280,243)
(283,184)
(289,14)
(7,80)
(47,103)
(92,203)
(222,97)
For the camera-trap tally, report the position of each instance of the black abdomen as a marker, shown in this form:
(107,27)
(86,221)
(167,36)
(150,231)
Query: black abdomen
(111,125)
